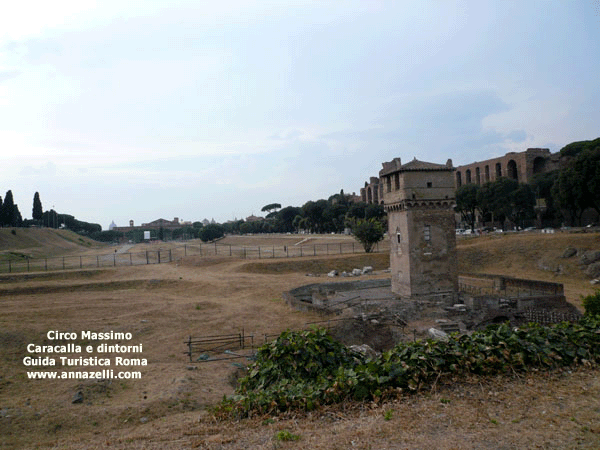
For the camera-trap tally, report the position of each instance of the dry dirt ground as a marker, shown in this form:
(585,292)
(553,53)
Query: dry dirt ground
(161,305)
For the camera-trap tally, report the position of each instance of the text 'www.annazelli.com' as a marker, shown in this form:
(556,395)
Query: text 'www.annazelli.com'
(107,374)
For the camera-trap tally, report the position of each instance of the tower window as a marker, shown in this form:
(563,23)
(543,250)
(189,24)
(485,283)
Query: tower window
(427,232)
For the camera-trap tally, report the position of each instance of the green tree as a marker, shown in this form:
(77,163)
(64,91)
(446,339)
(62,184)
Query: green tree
(211,232)
(496,197)
(37,211)
(368,232)
(467,203)
(271,207)
(7,213)
(285,219)
(523,203)
(568,191)
(591,303)
(313,213)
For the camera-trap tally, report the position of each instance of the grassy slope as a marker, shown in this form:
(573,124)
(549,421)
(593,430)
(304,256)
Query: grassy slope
(533,256)
(41,242)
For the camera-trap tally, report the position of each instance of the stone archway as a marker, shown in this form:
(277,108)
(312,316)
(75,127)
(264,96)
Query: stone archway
(512,171)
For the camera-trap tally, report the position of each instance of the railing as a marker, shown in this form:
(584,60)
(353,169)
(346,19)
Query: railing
(173,254)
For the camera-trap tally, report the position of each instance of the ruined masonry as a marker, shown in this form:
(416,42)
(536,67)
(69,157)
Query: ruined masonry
(419,198)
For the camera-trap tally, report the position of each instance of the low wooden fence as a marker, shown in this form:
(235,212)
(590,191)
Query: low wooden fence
(546,317)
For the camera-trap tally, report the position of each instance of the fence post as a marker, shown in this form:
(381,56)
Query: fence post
(9,266)
(158,254)
(314,249)
(28,264)
(114,259)
(170,256)
(259,252)
(80,263)
(353,247)
(184,249)
(273,251)
(97,261)
(130,260)
(46,264)
(301,251)
(229,249)
(147,261)
(340,248)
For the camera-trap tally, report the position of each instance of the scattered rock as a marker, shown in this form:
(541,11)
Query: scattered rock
(367,269)
(595,281)
(78,397)
(333,274)
(144,419)
(192,367)
(589,257)
(345,274)
(356,272)
(364,350)
(569,252)
(437,334)
(593,270)
(548,265)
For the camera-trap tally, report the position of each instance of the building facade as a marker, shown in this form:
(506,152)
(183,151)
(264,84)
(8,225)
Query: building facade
(522,167)
(419,198)
(372,192)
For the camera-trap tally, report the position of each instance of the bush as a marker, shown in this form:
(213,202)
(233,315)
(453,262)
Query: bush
(591,303)
(302,371)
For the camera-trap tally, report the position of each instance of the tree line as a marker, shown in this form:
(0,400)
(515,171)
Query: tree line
(561,196)
(10,216)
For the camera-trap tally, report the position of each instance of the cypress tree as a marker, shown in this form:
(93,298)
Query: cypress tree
(37,212)
(8,209)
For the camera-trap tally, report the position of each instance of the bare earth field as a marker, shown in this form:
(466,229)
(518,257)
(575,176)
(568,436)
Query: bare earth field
(168,408)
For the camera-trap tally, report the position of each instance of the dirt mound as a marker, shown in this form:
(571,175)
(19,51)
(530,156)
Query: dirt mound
(378,336)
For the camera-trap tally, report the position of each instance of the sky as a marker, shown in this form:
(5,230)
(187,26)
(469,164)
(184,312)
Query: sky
(139,110)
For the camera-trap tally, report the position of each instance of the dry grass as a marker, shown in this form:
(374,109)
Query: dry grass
(162,304)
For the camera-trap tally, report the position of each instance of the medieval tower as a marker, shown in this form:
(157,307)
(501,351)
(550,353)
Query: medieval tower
(419,198)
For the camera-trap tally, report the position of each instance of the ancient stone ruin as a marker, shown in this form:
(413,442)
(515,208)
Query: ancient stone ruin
(425,296)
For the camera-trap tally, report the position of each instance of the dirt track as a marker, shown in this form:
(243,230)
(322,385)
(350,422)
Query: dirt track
(161,305)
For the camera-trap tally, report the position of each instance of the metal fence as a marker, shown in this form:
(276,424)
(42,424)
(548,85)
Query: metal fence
(159,256)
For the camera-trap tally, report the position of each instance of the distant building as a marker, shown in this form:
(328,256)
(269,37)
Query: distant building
(372,193)
(154,225)
(112,225)
(521,167)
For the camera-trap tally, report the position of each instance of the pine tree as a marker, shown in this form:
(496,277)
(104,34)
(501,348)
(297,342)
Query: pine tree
(37,212)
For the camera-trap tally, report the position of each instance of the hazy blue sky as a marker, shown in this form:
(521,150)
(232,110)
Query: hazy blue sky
(212,109)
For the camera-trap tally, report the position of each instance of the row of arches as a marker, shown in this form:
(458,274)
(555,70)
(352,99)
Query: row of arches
(371,194)
(479,176)
(494,171)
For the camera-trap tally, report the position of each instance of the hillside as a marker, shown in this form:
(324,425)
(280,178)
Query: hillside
(41,242)
(533,256)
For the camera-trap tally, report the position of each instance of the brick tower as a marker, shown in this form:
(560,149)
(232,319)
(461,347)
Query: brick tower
(419,198)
